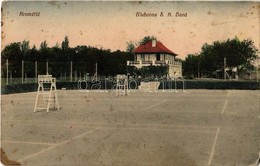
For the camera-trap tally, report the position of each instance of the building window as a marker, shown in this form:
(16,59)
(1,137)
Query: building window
(157,57)
(142,57)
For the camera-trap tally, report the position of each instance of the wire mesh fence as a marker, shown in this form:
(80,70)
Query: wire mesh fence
(27,72)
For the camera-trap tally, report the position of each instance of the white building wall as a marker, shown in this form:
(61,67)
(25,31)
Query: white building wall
(169,57)
(147,57)
(152,57)
(138,57)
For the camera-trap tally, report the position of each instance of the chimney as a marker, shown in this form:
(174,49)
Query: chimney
(153,43)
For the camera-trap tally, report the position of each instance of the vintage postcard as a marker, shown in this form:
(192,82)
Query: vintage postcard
(113,83)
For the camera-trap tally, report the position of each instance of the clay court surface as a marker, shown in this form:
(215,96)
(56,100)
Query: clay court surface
(197,127)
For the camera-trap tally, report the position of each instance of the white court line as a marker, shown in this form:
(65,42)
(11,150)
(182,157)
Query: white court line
(225,104)
(224,107)
(134,128)
(197,112)
(153,129)
(20,107)
(57,125)
(155,111)
(131,99)
(56,145)
(156,99)
(213,148)
(24,98)
(156,104)
(23,142)
(102,123)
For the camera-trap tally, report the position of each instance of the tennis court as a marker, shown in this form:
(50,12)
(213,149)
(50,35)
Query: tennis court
(197,127)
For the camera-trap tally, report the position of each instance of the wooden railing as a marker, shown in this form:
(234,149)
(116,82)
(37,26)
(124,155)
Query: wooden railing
(153,62)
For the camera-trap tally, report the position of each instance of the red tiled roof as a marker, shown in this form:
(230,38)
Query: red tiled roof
(147,48)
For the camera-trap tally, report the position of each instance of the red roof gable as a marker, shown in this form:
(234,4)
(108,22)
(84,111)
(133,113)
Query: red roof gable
(147,48)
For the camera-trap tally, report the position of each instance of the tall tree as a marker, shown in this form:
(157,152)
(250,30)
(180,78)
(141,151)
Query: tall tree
(191,66)
(25,47)
(146,39)
(65,43)
(13,53)
(130,46)
(238,54)
(43,45)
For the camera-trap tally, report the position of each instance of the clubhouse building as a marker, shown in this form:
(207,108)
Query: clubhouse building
(154,53)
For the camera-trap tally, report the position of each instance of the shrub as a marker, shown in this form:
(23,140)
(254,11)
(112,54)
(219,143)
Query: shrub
(164,84)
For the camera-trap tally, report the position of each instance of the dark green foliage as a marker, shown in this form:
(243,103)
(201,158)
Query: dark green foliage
(146,39)
(191,66)
(19,88)
(154,71)
(84,59)
(65,43)
(130,46)
(203,84)
(134,83)
(13,53)
(238,54)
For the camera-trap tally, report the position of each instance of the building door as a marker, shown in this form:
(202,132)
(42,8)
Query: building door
(157,57)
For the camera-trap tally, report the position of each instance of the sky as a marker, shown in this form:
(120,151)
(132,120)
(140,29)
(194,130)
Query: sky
(110,25)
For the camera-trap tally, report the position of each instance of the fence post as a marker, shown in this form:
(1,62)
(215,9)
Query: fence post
(7,72)
(35,71)
(11,77)
(70,71)
(175,82)
(47,66)
(75,75)
(225,68)
(22,70)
